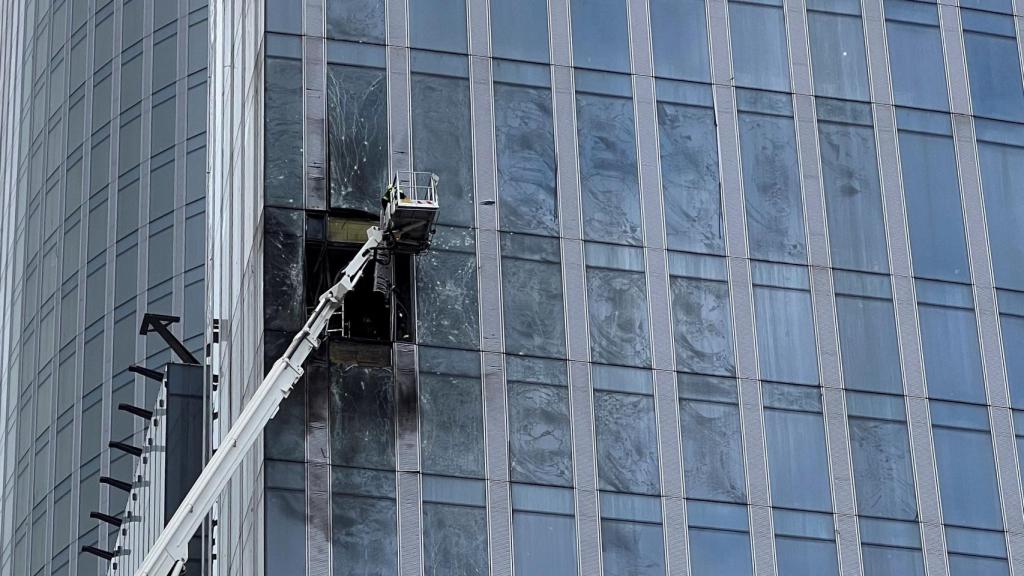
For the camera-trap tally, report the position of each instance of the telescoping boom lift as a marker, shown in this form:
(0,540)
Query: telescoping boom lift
(407,222)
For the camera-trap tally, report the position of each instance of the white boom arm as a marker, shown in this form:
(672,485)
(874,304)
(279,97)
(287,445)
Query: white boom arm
(170,551)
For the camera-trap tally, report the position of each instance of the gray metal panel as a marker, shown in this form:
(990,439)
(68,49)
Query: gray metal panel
(569,214)
(892,193)
(399,109)
(839,451)
(314,95)
(905,302)
(558,28)
(919,424)
(410,529)
(934,541)
(670,459)
(1015,542)
(677,543)
(810,175)
(574,277)
(499,527)
(956,64)
(742,300)
(490,291)
(397,24)
(314,19)
(495,424)
(645,101)
(752,421)
(407,400)
(848,543)
(585,468)
(661,308)
(640,37)
(874,43)
(991,346)
(483,143)
(762,540)
(718,32)
(478,13)
(731,172)
(588,531)
(799,49)
(1005,450)
(973,203)
(823,300)
(318,519)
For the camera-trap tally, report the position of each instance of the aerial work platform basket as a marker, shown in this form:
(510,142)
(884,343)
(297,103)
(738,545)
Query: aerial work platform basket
(409,211)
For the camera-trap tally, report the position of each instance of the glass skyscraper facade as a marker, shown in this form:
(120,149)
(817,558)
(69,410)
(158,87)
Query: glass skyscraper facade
(720,287)
(103,168)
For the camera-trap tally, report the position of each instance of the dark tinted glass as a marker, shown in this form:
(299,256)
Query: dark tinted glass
(531,278)
(283,133)
(446,290)
(451,413)
(358,137)
(540,436)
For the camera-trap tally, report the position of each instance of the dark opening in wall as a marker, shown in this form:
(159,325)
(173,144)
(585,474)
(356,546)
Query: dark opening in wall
(365,314)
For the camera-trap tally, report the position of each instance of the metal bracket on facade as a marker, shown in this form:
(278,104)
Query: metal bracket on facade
(160,323)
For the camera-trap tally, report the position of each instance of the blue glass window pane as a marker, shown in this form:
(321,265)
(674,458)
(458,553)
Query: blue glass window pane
(608,169)
(952,359)
(785,335)
(759,46)
(916,60)
(520,30)
(679,35)
(357,20)
(632,548)
(967,478)
(837,55)
(454,540)
(689,178)
(882,468)
(934,212)
(805,557)
(993,66)
(627,443)
(718,552)
(441,139)
(525,146)
(972,566)
(600,34)
(1002,177)
(1011,318)
(544,544)
(712,443)
(771,186)
(797,459)
(438,25)
(853,196)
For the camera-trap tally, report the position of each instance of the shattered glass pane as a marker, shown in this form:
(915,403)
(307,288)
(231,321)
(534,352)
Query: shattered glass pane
(540,436)
(531,277)
(882,469)
(358,20)
(358,136)
(525,145)
(365,536)
(689,178)
(703,326)
(712,451)
(446,291)
(362,416)
(454,540)
(608,169)
(619,326)
(771,185)
(442,143)
(627,443)
(283,270)
(282,180)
